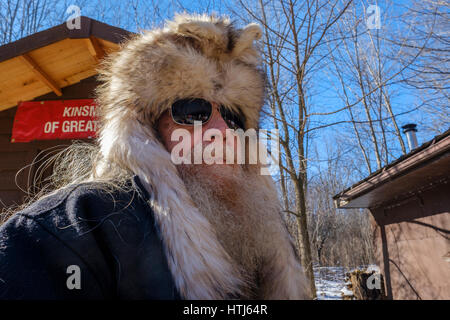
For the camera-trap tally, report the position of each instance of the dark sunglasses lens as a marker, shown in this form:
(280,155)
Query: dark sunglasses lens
(233,120)
(187,111)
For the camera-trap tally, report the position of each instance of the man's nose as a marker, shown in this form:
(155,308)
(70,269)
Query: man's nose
(216,122)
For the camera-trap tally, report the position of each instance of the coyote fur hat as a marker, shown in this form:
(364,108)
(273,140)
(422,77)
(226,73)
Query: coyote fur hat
(192,56)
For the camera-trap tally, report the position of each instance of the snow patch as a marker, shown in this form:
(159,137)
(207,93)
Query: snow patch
(330,283)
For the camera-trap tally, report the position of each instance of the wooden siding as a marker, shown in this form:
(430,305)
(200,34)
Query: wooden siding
(412,243)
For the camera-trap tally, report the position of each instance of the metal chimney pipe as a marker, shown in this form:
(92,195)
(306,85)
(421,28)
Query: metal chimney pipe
(410,131)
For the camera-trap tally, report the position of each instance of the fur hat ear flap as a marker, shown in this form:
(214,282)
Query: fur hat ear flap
(245,39)
(204,30)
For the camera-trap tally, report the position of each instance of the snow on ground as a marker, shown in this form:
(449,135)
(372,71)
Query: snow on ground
(373,267)
(330,282)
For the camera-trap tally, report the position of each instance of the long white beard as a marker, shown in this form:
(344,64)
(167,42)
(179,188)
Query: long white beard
(244,211)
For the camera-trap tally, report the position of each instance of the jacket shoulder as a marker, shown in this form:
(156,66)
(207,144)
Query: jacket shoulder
(77,198)
(88,225)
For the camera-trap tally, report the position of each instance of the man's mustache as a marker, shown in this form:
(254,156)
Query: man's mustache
(214,153)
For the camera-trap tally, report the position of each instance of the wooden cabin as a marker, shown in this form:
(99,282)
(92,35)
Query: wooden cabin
(409,201)
(57,64)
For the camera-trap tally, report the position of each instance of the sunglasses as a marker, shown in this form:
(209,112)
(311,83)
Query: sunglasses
(186,111)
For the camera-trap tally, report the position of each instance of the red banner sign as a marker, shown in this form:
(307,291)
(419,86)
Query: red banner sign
(59,119)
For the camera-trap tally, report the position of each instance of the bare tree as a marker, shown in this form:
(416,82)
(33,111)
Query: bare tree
(367,72)
(294,32)
(19,18)
(339,238)
(428,78)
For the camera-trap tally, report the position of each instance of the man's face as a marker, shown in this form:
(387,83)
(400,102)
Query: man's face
(166,126)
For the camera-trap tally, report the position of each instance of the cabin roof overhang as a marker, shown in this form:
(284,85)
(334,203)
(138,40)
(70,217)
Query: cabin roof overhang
(422,168)
(55,58)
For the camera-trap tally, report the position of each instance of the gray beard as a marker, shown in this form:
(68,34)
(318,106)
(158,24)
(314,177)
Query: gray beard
(242,212)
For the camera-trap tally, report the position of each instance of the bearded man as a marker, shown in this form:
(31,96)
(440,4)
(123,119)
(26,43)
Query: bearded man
(135,225)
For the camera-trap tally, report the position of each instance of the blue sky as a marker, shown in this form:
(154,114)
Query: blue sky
(324,99)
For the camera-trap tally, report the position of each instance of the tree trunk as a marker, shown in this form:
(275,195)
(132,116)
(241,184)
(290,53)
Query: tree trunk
(303,236)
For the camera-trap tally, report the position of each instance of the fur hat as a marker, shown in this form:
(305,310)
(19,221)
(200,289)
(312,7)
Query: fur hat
(194,56)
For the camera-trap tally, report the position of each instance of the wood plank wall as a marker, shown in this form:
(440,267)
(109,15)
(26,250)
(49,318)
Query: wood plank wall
(412,245)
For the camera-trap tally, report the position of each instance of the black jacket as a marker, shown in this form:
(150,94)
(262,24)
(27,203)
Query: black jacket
(110,238)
